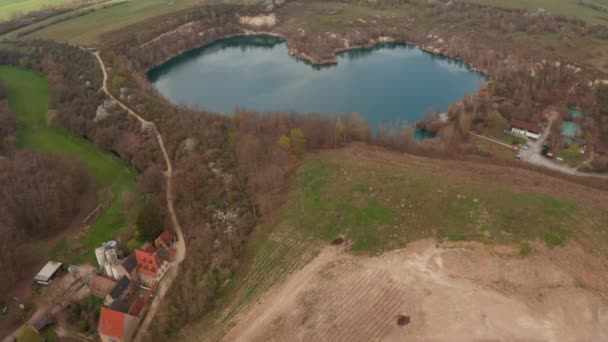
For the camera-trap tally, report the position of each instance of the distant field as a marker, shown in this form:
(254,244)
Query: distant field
(28,99)
(567,8)
(86,30)
(381,203)
(9,8)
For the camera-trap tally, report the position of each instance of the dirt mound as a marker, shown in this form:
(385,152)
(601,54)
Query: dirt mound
(454,292)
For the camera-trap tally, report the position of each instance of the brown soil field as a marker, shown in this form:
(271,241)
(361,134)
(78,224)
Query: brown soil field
(295,286)
(433,292)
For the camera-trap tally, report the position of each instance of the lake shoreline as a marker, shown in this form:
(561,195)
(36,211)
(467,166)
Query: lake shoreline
(391,73)
(311,59)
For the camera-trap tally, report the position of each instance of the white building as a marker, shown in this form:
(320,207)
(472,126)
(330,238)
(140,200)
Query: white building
(47,273)
(527,129)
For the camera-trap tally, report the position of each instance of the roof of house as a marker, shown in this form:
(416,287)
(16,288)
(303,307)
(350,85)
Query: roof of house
(48,270)
(120,305)
(111,322)
(120,287)
(136,308)
(101,284)
(532,127)
(147,263)
(166,237)
(129,263)
(601,147)
(147,247)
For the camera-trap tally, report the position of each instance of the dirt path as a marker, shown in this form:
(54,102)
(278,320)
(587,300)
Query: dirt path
(451,292)
(180,245)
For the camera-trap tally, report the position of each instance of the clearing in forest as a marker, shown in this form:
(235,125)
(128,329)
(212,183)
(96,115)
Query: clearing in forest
(28,100)
(295,283)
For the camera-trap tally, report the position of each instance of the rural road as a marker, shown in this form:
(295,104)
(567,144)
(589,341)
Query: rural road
(180,245)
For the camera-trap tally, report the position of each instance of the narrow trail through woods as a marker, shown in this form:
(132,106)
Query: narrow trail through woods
(180,245)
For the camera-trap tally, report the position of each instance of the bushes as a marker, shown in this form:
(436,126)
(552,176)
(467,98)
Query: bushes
(84,314)
(150,221)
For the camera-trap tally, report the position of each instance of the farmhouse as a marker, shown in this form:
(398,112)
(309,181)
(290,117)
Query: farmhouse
(116,326)
(165,240)
(47,273)
(527,129)
(122,288)
(150,267)
(101,286)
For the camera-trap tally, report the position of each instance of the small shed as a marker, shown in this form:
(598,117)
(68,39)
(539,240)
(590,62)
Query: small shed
(48,272)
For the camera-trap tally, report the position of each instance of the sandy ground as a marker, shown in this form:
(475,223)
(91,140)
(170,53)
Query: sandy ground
(452,292)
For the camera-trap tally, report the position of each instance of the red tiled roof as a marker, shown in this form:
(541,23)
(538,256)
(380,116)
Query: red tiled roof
(111,323)
(531,127)
(136,308)
(166,237)
(147,247)
(147,263)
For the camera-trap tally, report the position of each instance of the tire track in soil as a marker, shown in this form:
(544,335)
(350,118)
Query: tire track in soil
(261,268)
(571,259)
(357,300)
(391,309)
(355,284)
(382,308)
(293,251)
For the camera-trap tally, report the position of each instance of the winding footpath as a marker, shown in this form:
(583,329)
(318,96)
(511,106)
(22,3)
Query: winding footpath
(180,245)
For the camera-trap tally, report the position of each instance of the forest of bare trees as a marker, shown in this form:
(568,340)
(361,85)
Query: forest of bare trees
(39,196)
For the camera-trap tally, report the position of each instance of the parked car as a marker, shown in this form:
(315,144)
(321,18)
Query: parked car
(525,147)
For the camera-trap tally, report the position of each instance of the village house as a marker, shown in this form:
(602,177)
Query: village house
(116,326)
(150,267)
(165,240)
(122,288)
(101,286)
(128,268)
(527,129)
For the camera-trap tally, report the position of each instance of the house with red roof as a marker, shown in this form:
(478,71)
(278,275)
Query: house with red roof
(165,240)
(116,326)
(150,267)
(527,129)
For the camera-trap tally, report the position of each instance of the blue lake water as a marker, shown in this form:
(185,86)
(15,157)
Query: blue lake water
(389,85)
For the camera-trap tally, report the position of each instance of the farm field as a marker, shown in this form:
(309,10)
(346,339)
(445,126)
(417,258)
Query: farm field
(295,282)
(567,8)
(86,29)
(28,99)
(9,8)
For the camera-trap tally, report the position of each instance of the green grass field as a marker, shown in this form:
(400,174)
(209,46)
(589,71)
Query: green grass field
(567,8)
(28,99)
(86,29)
(9,8)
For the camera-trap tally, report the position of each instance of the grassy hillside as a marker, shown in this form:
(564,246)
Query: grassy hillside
(8,8)
(381,201)
(567,8)
(28,99)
